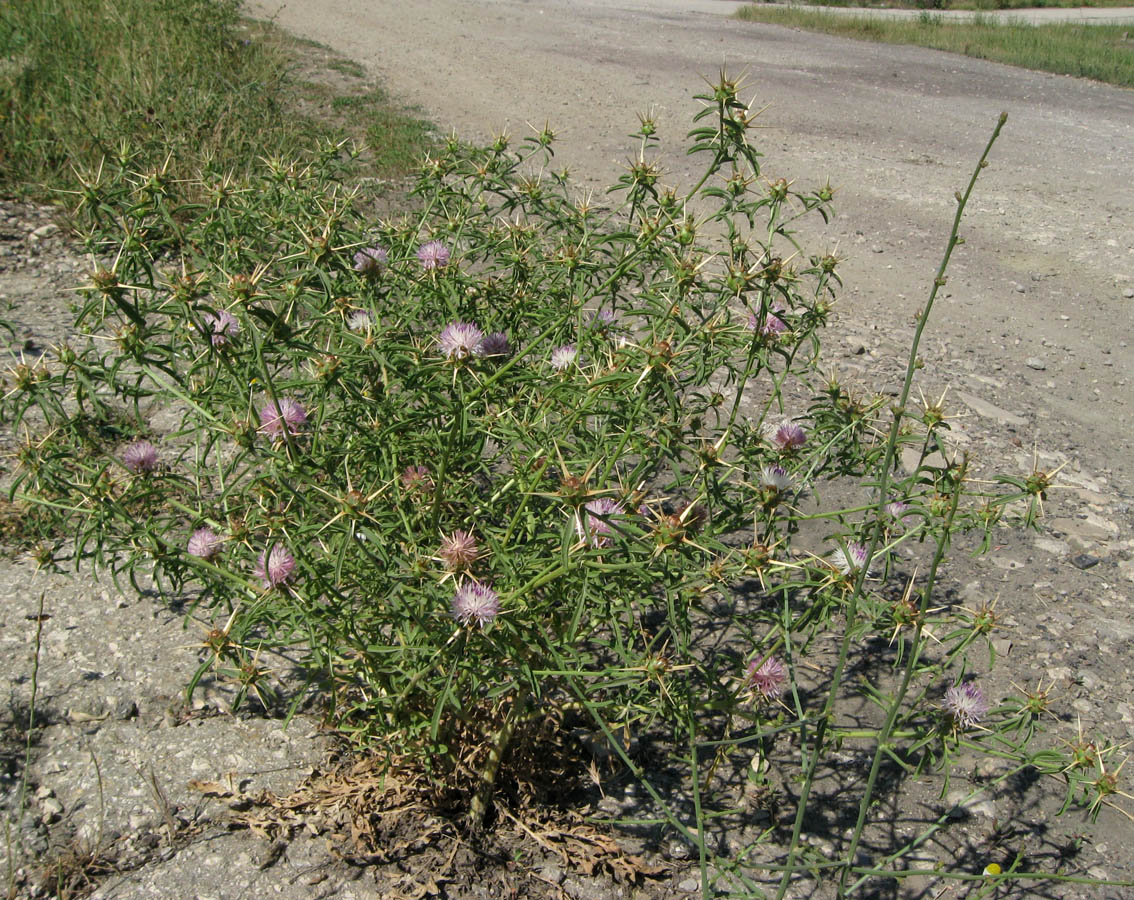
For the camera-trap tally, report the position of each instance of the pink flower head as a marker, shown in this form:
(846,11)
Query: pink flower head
(766,677)
(562,358)
(603,319)
(275,567)
(221,326)
(475,604)
(496,344)
(433,255)
(592,524)
(966,704)
(288,415)
(417,478)
(787,436)
(140,457)
(768,325)
(458,550)
(851,560)
(370,260)
(899,511)
(204,543)
(460,340)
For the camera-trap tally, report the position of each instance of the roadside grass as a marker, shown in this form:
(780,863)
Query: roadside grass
(179,84)
(1101,52)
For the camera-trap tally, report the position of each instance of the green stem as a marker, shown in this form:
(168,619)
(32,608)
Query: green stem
(887,732)
(487,781)
(883,487)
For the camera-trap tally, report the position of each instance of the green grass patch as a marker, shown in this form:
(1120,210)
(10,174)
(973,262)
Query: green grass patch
(1102,52)
(184,84)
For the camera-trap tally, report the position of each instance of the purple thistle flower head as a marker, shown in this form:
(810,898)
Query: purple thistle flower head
(417,478)
(787,436)
(899,511)
(475,604)
(370,261)
(276,566)
(140,458)
(851,560)
(768,326)
(433,255)
(460,340)
(603,319)
(458,550)
(288,415)
(562,358)
(221,327)
(496,344)
(966,704)
(204,543)
(767,677)
(775,479)
(594,529)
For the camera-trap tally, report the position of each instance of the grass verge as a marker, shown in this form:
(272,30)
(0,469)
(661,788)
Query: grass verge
(1101,52)
(175,83)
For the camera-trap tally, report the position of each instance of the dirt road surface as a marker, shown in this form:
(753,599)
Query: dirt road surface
(1044,279)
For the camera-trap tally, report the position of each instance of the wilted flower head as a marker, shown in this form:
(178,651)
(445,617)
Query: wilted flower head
(787,436)
(370,260)
(204,543)
(475,604)
(221,327)
(360,320)
(966,704)
(775,479)
(275,566)
(287,414)
(433,255)
(563,357)
(417,478)
(766,677)
(460,340)
(496,344)
(594,529)
(851,560)
(140,457)
(458,550)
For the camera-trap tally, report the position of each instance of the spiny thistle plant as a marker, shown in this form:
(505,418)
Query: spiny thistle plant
(522,457)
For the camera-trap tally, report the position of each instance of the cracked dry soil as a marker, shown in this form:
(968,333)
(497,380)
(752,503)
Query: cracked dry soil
(1031,338)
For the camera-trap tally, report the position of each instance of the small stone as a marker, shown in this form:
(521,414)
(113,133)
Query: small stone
(1034,362)
(990,410)
(1128,293)
(551,873)
(52,810)
(677,848)
(1018,288)
(689,885)
(125,710)
(962,805)
(1084,560)
(45,231)
(877,248)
